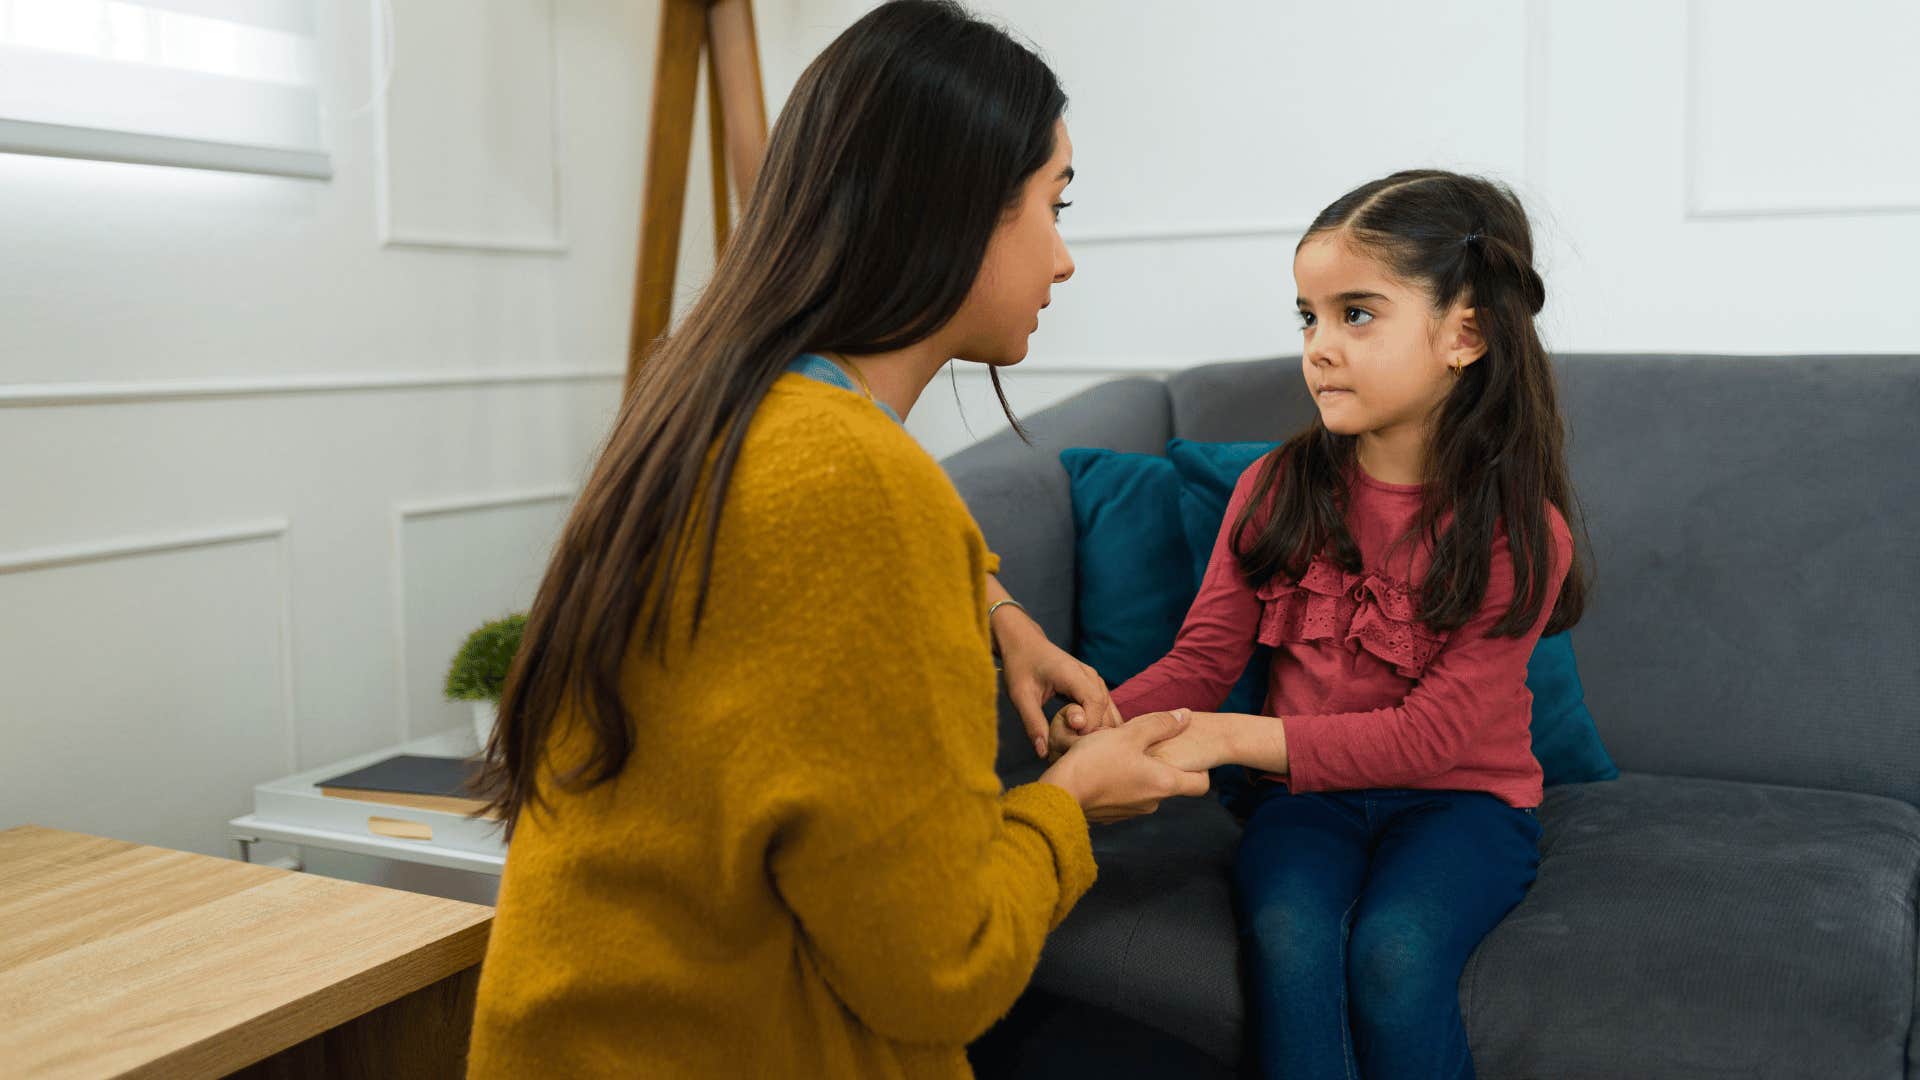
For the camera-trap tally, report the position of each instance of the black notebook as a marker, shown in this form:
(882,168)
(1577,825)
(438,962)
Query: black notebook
(412,774)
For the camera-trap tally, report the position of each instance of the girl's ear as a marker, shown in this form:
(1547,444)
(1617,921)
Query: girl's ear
(1464,343)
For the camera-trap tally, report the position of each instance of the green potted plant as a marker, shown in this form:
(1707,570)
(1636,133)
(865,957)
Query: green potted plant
(479,670)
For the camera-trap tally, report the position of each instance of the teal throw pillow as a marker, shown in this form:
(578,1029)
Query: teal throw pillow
(1134,577)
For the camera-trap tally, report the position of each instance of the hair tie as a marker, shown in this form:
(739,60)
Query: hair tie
(1470,238)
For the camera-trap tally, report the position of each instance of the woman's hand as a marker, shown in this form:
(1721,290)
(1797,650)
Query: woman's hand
(1037,670)
(1114,775)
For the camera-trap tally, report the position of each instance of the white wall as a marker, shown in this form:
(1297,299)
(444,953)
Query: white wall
(272,447)
(1707,175)
(263,467)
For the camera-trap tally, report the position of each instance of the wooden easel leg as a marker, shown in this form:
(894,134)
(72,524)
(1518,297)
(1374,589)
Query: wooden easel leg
(737,125)
(717,147)
(735,59)
(676,76)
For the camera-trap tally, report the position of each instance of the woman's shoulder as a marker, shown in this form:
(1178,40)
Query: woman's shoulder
(820,442)
(807,412)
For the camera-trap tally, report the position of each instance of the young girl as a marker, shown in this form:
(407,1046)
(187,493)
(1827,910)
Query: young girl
(1402,556)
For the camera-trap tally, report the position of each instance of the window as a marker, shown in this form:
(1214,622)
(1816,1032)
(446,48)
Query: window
(208,84)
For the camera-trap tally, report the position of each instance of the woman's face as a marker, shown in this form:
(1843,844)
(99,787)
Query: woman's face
(1024,260)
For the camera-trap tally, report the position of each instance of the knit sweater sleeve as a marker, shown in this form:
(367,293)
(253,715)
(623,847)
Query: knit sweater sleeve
(1217,637)
(923,890)
(1474,680)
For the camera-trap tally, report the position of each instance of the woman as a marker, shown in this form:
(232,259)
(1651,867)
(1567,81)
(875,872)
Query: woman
(746,751)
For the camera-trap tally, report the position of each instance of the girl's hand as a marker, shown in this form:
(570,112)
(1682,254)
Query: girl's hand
(1114,774)
(1070,725)
(1037,670)
(1207,742)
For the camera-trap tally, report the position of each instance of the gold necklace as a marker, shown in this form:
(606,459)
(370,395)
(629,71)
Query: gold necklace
(857,373)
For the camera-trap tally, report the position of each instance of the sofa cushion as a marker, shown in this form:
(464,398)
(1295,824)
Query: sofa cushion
(1686,927)
(1241,401)
(1154,939)
(1753,522)
(1679,927)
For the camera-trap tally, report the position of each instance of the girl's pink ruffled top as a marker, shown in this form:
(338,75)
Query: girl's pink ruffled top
(1370,696)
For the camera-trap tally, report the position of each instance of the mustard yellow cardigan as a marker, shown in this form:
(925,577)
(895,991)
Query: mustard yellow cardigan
(808,867)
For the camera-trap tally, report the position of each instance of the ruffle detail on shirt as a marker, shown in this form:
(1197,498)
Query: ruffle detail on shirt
(1363,610)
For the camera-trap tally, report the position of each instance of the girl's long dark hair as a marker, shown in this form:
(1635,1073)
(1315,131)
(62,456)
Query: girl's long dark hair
(895,158)
(1497,449)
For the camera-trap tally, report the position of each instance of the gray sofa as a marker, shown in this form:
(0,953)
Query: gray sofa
(1741,902)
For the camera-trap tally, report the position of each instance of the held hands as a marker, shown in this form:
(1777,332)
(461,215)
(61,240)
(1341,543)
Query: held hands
(1036,670)
(1205,742)
(1073,723)
(1115,774)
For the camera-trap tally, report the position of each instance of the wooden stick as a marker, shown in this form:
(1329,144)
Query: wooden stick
(676,76)
(717,147)
(736,65)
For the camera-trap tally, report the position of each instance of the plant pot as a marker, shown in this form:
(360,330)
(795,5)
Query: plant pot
(484,714)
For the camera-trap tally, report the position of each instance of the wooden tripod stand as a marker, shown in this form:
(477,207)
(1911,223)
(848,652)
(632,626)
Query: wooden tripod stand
(737,130)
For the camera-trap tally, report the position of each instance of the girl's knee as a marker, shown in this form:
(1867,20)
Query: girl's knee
(1400,968)
(1293,936)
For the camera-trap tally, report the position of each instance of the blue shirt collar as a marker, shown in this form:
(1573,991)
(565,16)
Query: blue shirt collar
(820,369)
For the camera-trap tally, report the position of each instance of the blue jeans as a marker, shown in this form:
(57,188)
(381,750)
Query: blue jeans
(1358,910)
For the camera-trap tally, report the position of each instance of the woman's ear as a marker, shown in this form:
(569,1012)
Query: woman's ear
(1464,343)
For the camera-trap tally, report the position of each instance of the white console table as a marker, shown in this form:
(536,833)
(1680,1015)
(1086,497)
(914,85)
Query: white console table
(291,810)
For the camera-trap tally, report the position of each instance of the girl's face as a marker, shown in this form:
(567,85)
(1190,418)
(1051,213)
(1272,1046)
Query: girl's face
(1376,356)
(1025,259)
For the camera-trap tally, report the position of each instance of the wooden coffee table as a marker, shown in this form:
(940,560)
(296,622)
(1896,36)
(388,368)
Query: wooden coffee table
(118,959)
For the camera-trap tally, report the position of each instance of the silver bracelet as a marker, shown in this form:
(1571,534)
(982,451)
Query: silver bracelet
(993,641)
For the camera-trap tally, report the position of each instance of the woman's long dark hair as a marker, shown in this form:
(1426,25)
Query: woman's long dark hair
(1496,454)
(897,155)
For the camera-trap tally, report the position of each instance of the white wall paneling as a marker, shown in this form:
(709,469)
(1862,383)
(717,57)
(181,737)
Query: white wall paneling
(123,656)
(1729,177)
(468,128)
(448,561)
(1775,128)
(338,463)
(100,393)
(1079,239)
(180,347)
